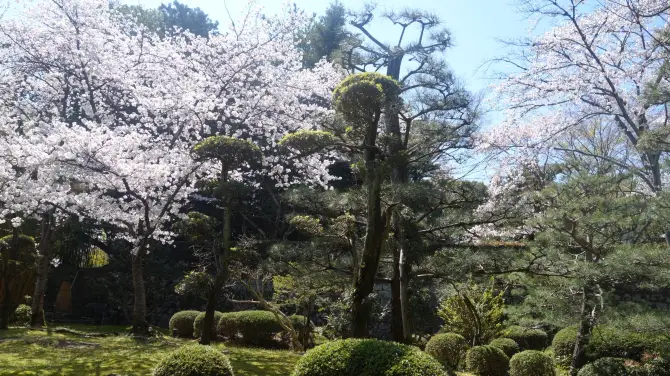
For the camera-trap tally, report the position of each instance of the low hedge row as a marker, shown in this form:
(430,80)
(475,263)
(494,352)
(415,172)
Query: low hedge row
(605,342)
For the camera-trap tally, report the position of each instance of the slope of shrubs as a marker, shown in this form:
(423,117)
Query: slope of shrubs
(260,328)
(487,361)
(531,363)
(448,348)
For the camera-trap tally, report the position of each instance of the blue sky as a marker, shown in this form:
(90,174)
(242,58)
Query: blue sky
(475,25)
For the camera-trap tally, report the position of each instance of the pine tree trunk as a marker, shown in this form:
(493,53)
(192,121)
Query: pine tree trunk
(140,325)
(371,254)
(43,266)
(587,320)
(405,269)
(397,331)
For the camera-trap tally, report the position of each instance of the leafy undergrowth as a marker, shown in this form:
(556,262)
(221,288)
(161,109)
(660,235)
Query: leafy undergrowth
(34,352)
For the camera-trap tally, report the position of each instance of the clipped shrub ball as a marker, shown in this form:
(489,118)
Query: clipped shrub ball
(447,348)
(487,361)
(21,316)
(183,321)
(367,357)
(194,360)
(658,367)
(527,339)
(564,345)
(200,321)
(507,345)
(259,328)
(531,363)
(604,367)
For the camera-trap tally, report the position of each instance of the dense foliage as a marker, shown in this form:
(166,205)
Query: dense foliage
(183,322)
(531,363)
(194,360)
(199,322)
(366,357)
(487,361)
(448,348)
(507,345)
(259,328)
(605,367)
(527,339)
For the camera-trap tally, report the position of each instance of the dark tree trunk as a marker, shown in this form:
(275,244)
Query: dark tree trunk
(6,308)
(405,270)
(140,325)
(371,253)
(43,266)
(587,321)
(397,332)
(221,277)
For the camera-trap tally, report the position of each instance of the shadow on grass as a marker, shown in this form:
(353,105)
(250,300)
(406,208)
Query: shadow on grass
(30,352)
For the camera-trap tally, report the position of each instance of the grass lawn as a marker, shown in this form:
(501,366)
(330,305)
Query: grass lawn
(30,352)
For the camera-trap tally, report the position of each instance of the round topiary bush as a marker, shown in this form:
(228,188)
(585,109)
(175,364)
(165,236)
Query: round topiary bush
(527,339)
(604,367)
(531,363)
(448,348)
(183,322)
(507,345)
(658,367)
(194,360)
(21,315)
(564,345)
(200,321)
(487,361)
(367,357)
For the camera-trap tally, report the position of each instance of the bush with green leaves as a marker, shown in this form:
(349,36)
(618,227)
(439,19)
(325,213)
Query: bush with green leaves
(367,357)
(605,341)
(183,321)
(507,345)
(21,316)
(448,348)
(200,321)
(657,367)
(475,313)
(487,361)
(531,363)
(259,328)
(527,339)
(604,367)
(194,360)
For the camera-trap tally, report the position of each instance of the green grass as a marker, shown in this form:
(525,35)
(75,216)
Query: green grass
(31,352)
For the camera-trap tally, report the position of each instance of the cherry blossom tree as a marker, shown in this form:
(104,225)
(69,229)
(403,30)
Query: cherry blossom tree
(593,63)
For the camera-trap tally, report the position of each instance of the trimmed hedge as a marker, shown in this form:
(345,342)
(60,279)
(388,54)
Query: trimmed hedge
(200,321)
(527,339)
(507,345)
(487,361)
(657,367)
(604,367)
(194,360)
(367,357)
(21,316)
(260,328)
(183,321)
(447,348)
(531,363)
(605,341)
